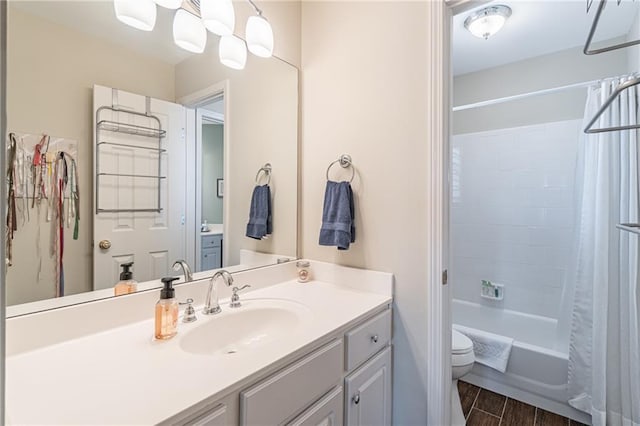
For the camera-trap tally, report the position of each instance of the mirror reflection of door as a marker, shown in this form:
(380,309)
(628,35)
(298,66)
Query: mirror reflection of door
(210,141)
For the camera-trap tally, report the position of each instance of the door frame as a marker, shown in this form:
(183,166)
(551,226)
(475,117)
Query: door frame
(194,198)
(439,295)
(203,116)
(3,196)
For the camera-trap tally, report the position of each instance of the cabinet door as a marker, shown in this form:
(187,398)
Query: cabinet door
(368,392)
(211,259)
(326,412)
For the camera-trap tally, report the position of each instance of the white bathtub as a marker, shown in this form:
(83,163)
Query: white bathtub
(538,365)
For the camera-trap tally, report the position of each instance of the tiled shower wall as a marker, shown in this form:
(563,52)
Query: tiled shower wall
(512,214)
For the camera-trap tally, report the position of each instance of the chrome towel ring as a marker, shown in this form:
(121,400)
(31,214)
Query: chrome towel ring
(344,161)
(266,169)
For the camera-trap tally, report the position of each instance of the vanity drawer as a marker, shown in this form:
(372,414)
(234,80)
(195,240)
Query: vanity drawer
(276,399)
(367,339)
(209,241)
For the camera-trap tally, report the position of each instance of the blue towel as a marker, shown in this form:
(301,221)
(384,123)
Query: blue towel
(338,227)
(260,223)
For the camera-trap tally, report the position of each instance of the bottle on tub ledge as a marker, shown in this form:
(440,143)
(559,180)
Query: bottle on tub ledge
(126,284)
(167,311)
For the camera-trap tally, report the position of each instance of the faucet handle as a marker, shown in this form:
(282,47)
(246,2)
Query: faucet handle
(235,299)
(189,312)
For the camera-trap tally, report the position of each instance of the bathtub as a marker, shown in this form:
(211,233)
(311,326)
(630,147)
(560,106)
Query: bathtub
(538,364)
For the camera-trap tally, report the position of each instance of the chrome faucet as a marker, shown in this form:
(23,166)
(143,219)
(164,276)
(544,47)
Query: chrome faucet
(212,306)
(186,271)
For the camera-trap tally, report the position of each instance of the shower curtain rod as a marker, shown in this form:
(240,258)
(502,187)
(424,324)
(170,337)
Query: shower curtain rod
(533,94)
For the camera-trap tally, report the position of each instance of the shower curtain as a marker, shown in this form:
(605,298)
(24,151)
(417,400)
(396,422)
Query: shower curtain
(604,349)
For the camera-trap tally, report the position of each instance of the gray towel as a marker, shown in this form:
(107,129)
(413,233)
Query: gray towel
(338,227)
(260,223)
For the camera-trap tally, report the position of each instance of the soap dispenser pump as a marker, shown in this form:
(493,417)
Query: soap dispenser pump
(167,311)
(126,284)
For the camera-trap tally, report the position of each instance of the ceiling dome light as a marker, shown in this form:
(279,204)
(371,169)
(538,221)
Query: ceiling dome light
(233,52)
(218,16)
(259,36)
(169,4)
(188,32)
(486,22)
(139,14)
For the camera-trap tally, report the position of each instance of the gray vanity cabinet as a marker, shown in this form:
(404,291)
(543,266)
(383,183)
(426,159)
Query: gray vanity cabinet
(326,412)
(215,417)
(367,387)
(211,253)
(343,381)
(368,392)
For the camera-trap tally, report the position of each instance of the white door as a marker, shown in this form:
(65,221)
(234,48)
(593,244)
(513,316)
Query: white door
(132,177)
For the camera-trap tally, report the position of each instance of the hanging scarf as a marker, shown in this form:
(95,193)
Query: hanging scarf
(12,223)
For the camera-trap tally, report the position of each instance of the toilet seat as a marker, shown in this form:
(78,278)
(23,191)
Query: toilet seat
(461,350)
(460,344)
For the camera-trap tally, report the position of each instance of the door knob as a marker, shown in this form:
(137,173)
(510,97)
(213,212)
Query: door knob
(104,244)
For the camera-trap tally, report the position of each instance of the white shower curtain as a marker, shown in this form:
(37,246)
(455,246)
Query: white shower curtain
(604,349)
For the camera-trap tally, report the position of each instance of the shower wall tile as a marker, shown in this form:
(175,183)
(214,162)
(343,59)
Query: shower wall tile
(512,214)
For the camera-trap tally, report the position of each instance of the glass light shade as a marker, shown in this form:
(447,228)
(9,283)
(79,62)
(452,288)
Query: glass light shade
(169,4)
(218,16)
(488,21)
(139,14)
(233,52)
(188,32)
(259,36)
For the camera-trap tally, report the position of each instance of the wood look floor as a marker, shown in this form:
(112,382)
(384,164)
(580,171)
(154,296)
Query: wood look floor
(482,407)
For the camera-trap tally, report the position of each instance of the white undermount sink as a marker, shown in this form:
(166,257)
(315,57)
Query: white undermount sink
(254,324)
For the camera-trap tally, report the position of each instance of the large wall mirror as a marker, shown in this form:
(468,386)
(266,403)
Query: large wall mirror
(127,148)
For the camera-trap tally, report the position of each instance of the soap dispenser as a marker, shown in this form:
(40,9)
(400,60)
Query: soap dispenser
(126,284)
(167,311)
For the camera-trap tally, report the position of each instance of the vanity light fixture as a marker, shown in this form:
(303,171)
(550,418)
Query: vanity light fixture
(486,22)
(218,16)
(259,34)
(233,52)
(192,20)
(140,14)
(169,4)
(188,32)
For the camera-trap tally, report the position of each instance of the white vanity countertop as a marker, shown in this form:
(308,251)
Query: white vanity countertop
(214,229)
(123,376)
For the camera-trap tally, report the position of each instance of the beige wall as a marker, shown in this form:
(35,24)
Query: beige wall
(543,72)
(364,92)
(212,170)
(51,72)
(262,127)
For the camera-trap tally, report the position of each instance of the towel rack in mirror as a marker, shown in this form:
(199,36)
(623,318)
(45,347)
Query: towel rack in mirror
(266,169)
(621,88)
(587,46)
(344,161)
(113,126)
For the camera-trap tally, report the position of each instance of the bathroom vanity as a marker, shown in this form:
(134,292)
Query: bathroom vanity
(292,353)
(211,252)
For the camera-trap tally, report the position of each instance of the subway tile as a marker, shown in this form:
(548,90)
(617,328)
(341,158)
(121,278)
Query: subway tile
(558,217)
(490,402)
(480,418)
(546,418)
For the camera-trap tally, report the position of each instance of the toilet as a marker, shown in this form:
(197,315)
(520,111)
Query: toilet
(462,359)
